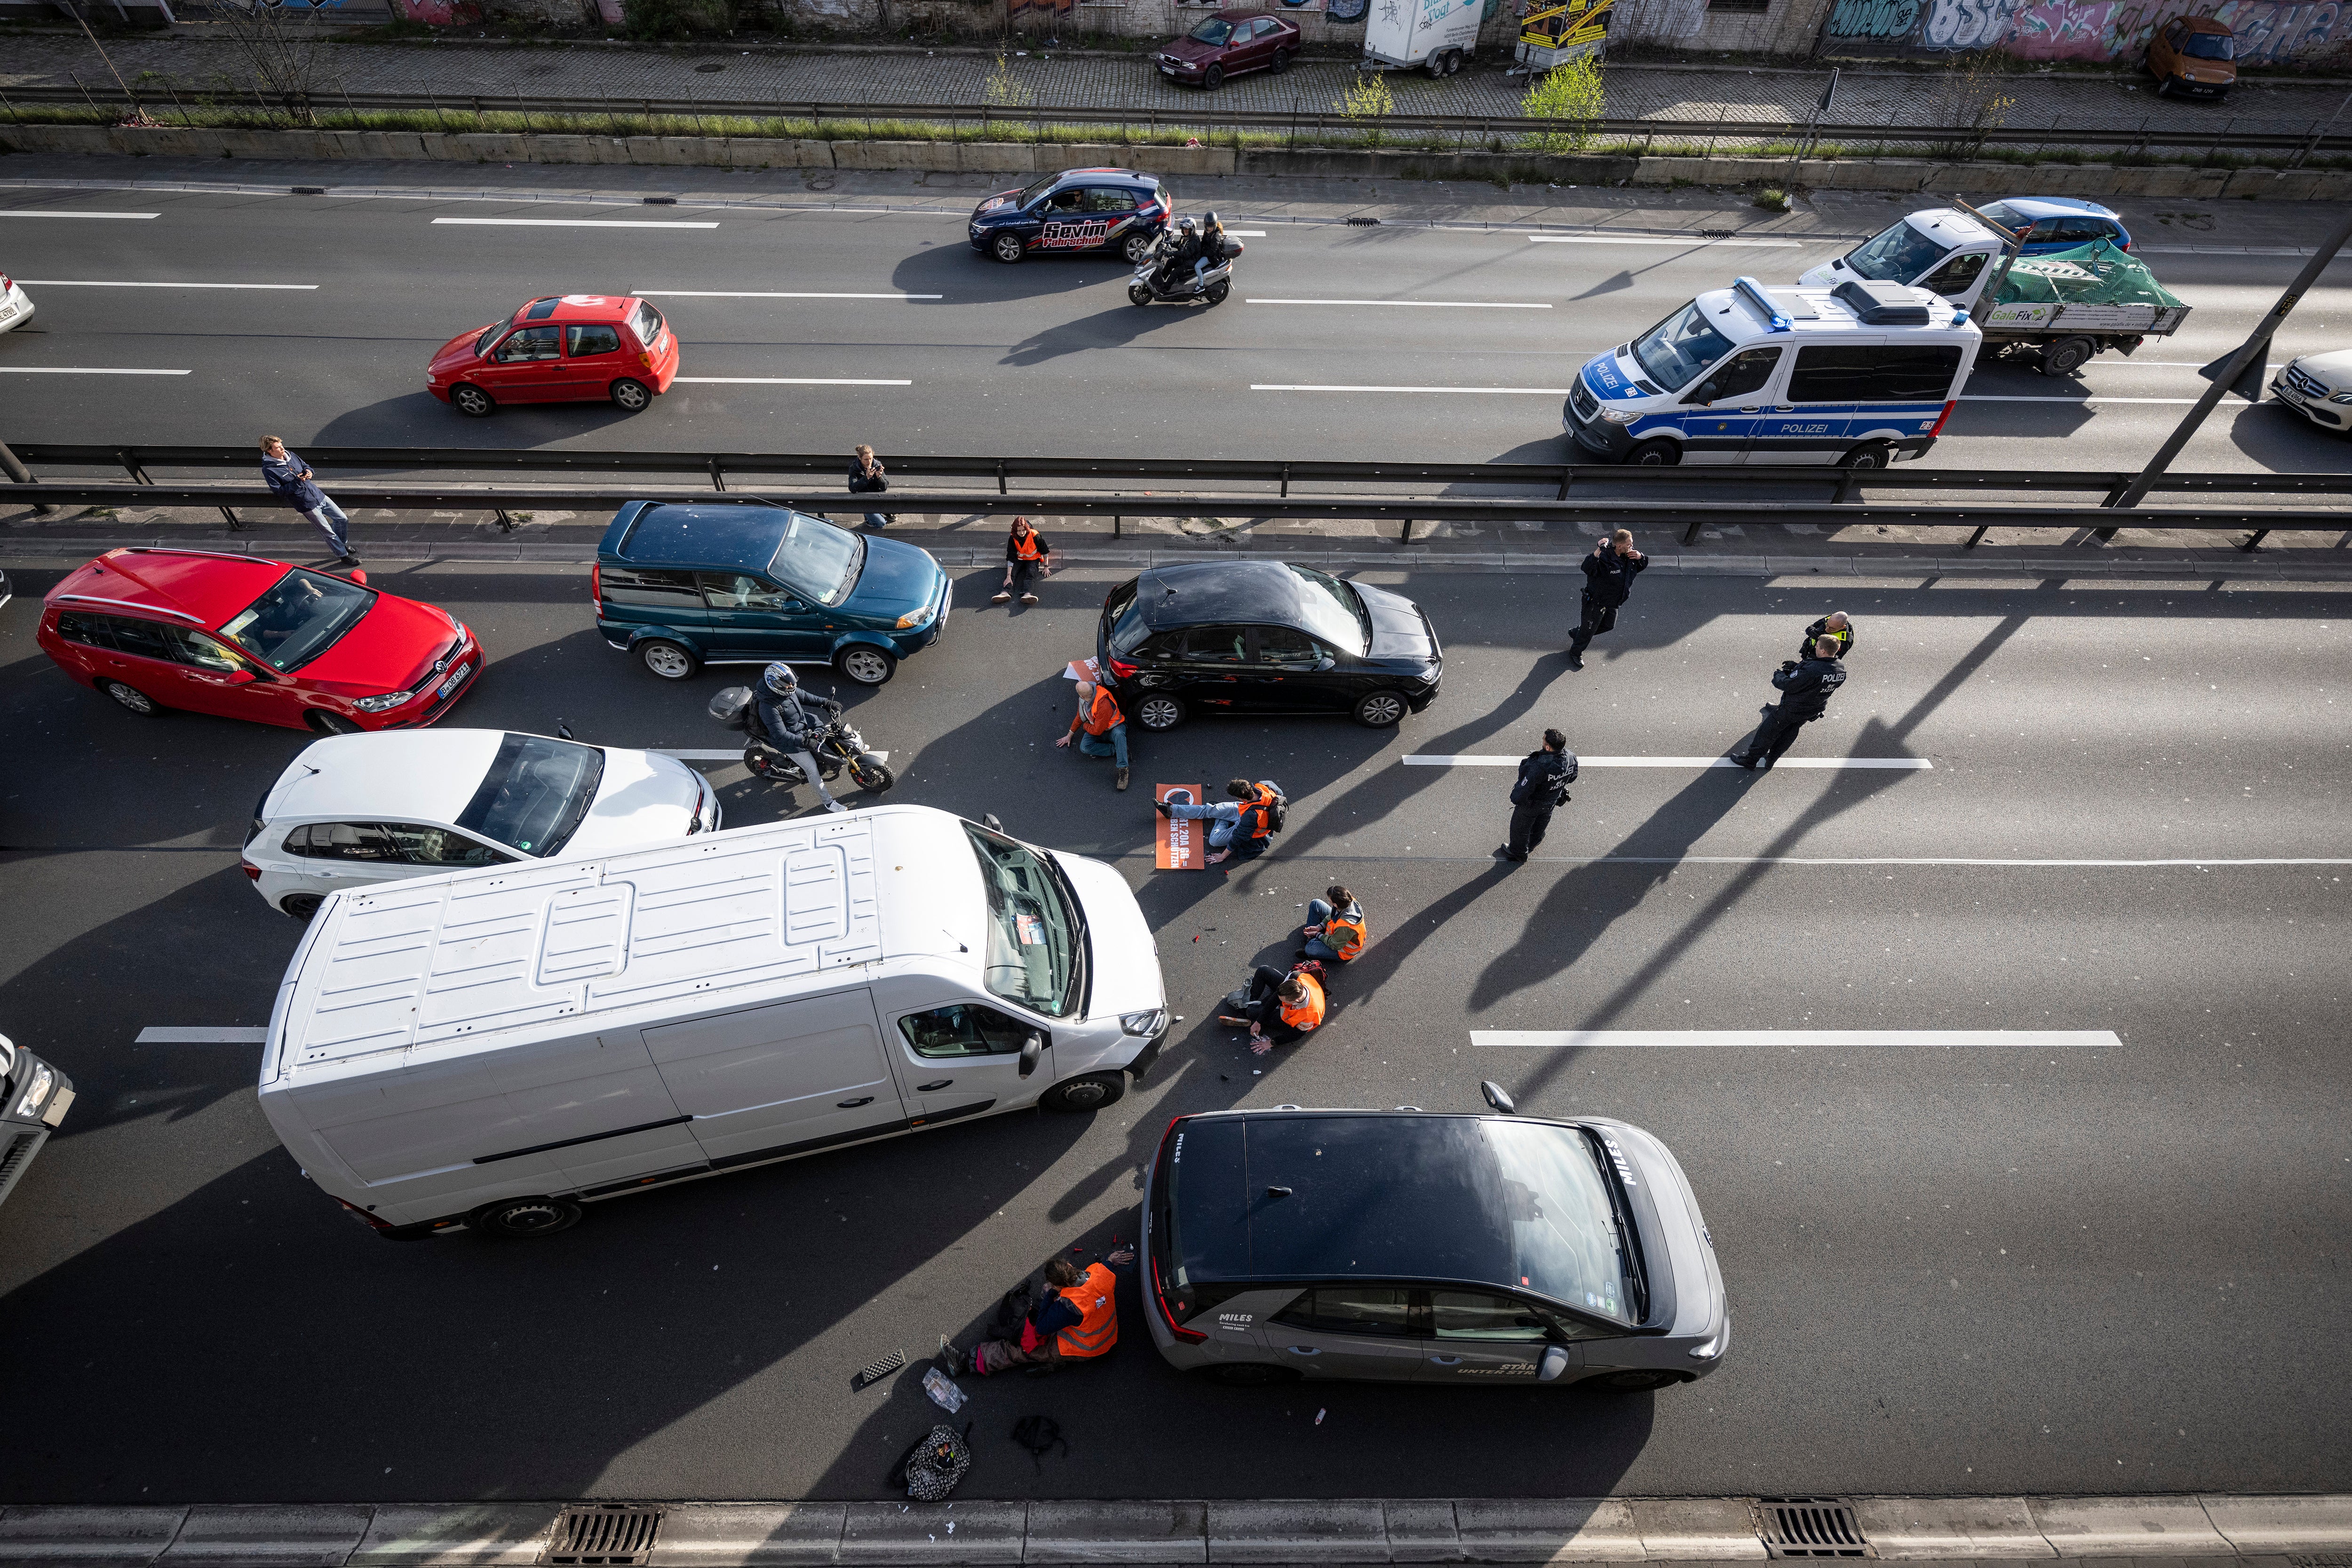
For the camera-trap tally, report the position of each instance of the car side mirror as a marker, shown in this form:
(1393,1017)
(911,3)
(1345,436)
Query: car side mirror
(359,574)
(241,677)
(1492,1092)
(1032,1050)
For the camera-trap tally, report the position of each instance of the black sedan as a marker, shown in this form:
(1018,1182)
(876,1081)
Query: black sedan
(1264,636)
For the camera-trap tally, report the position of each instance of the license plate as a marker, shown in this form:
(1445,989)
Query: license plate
(55,1113)
(457,679)
(2289,393)
(1167,71)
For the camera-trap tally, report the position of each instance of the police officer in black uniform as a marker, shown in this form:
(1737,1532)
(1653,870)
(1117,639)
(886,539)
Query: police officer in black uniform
(1544,778)
(1609,573)
(1805,691)
(1837,625)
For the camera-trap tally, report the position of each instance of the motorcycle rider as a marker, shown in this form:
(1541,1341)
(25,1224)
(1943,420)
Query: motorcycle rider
(1212,244)
(1185,248)
(789,724)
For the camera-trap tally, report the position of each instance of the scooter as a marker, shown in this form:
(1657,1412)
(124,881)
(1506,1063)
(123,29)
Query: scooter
(1208,286)
(837,747)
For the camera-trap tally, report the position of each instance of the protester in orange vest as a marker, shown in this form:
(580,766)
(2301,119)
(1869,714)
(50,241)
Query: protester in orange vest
(1099,728)
(1279,1008)
(1027,561)
(1076,1319)
(1335,930)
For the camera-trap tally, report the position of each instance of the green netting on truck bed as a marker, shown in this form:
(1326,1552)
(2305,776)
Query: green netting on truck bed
(2093,274)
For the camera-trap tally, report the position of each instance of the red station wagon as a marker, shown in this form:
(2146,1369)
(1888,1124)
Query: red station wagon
(247,638)
(566,348)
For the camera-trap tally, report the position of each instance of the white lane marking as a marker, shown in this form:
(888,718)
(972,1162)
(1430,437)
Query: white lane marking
(1785,1040)
(571,223)
(169,1035)
(787,381)
(1653,239)
(2087,397)
(1491,391)
(1421,304)
(724,294)
(1246,233)
(35,212)
(734,756)
(1436,760)
(80,370)
(90,283)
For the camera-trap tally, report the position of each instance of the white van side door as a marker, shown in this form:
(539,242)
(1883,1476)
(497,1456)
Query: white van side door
(765,1082)
(962,1058)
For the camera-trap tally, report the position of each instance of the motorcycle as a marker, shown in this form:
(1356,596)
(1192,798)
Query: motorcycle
(1208,286)
(836,747)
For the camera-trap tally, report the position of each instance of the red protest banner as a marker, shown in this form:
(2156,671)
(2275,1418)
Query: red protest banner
(1183,844)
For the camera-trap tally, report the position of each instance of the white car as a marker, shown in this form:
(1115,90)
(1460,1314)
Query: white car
(355,810)
(15,305)
(2318,387)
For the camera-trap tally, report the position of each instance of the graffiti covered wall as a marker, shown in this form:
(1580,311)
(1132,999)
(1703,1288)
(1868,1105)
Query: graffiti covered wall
(2099,31)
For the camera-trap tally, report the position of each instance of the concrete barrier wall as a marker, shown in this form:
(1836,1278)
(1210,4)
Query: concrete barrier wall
(1023,158)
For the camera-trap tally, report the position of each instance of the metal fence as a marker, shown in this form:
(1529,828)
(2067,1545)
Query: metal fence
(1502,132)
(1551,492)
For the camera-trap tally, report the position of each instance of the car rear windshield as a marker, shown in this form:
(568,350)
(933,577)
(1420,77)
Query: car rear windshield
(1332,611)
(1124,611)
(301,615)
(1523,1205)
(2212,47)
(646,322)
(1675,350)
(1898,256)
(1216,30)
(1036,951)
(536,794)
(818,559)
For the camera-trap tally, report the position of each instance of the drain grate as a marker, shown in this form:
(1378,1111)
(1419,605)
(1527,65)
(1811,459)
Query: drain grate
(1811,1527)
(604,1532)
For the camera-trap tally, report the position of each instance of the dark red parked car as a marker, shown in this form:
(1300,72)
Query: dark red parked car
(1228,46)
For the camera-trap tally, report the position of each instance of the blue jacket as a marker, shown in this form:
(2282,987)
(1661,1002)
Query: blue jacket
(284,477)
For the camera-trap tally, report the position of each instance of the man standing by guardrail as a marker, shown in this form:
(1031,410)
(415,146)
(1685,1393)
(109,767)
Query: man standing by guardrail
(1609,573)
(290,481)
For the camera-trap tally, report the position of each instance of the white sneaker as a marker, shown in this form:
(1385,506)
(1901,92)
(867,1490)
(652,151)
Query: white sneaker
(835,806)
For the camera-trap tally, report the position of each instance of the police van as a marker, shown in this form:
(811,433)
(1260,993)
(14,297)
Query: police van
(1859,375)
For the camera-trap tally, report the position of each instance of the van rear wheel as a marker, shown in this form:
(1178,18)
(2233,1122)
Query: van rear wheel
(2066,356)
(1092,1093)
(517,1219)
(1869,455)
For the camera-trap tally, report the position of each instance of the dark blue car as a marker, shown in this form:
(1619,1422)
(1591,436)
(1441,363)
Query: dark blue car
(683,586)
(1077,210)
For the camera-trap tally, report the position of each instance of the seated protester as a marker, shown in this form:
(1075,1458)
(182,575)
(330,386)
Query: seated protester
(1076,1319)
(1334,926)
(1245,825)
(1280,1008)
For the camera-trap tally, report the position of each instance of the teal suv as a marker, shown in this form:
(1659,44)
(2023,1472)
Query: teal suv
(731,583)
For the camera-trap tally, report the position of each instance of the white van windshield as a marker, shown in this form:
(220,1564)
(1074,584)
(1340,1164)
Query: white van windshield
(1036,942)
(1678,348)
(1898,256)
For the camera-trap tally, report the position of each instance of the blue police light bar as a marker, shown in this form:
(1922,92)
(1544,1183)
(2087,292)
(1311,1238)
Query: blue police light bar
(1761,298)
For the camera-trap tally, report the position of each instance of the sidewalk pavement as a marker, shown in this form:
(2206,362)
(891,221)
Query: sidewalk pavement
(894,81)
(2115,1532)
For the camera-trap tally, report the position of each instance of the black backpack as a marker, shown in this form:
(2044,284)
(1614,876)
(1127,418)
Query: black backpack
(1274,815)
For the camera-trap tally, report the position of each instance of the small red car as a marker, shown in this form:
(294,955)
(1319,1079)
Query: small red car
(566,348)
(247,638)
(1225,46)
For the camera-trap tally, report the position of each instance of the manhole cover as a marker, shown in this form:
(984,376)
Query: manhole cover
(1811,1527)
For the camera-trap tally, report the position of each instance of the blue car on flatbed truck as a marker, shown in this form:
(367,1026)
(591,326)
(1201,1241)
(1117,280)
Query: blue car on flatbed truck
(679,586)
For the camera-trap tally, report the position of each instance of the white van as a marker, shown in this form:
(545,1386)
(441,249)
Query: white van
(1859,375)
(1941,250)
(498,1048)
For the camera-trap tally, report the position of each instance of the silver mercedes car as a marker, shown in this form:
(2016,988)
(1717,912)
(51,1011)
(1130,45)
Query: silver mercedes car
(1416,1246)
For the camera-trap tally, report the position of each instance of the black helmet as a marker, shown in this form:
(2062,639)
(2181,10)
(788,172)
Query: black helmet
(779,677)
(1209,219)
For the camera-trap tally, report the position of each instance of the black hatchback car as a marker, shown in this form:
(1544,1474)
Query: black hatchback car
(1117,210)
(1265,637)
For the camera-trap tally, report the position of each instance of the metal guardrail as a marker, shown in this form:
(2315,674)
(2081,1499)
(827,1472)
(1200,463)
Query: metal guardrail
(2319,138)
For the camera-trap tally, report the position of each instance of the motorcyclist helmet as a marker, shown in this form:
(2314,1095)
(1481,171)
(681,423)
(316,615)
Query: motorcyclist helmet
(1185,223)
(1209,219)
(779,677)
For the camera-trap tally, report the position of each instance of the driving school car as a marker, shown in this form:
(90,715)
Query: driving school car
(1075,211)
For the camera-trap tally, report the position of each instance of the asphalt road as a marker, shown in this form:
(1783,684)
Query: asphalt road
(1951,1270)
(1046,357)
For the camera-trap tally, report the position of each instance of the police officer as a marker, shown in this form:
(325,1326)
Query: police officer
(1805,690)
(792,728)
(1544,778)
(1837,625)
(1609,573)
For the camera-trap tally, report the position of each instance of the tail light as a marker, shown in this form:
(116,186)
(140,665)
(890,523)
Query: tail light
(1946,414)
(1120,669)
(1159,1295)
(596,583)
(364,1217)
(252,872)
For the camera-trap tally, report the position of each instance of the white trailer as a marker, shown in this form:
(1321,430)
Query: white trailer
(498,1048)
(1435,36)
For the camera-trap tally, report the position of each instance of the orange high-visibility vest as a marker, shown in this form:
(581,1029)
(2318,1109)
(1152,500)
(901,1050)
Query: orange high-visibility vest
(1026,546)
(1100,715)
(1344,936)
(1308,1011)
(1099,1330)
(1263,804)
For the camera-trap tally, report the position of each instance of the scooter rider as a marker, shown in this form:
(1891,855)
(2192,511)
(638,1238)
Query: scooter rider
(785,716)
(1212,244)
(1185,248)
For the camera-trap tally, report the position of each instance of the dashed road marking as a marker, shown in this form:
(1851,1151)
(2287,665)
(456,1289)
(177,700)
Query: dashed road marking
(173,1034)
(571,223)
(1694,240)
(1488,391)
(44,212)
(81,370)
(728,294)
(1788,1039)
(112,283)
(1433,760)
(785,381)
(1419,304)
